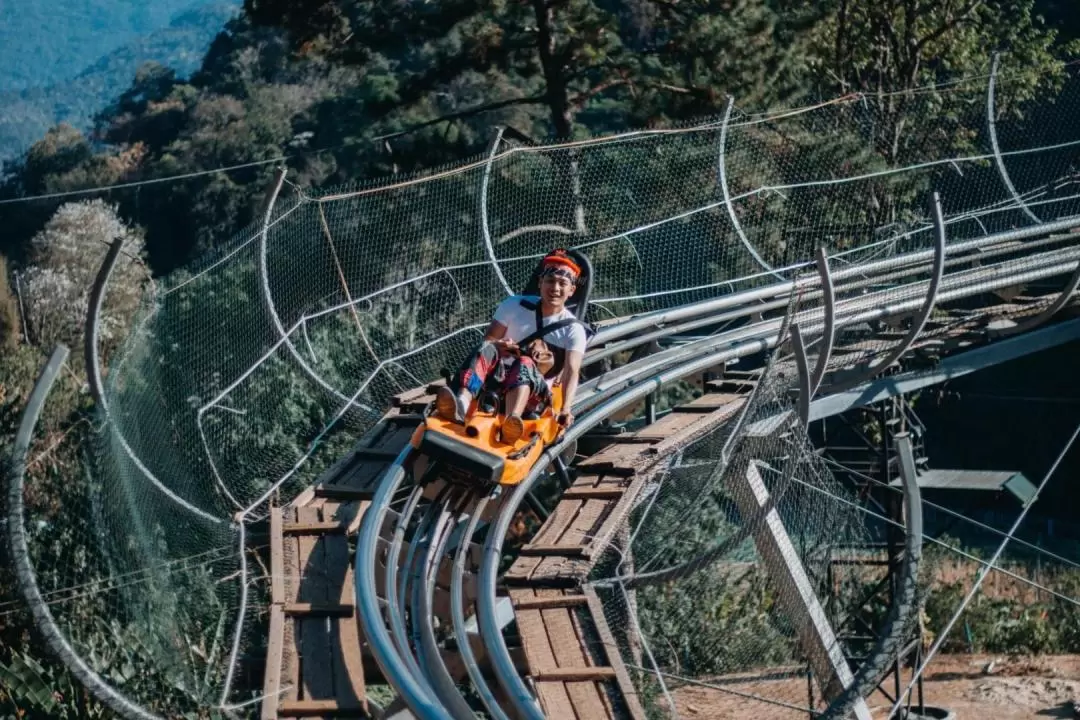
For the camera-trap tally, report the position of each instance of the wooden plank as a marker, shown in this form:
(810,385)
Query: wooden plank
(313,527)
(364,474)
(704,424)
(626,439)
(291,638)
(555,701)
(598,493)
(563,550)
(389,444)
(618,513)
(576,674)
(707,402)
(346,656)
(521,570)
(667,426)
(314,708)
(272,674)
(344,492)
(611,652)
(560,572)
(315,666)
(615,459)
(277,557)
(538,655)
(379,453)
(557,522)
(542,603)
(590,700)
(404,419)
(570,655)
(318,609)
(587,522)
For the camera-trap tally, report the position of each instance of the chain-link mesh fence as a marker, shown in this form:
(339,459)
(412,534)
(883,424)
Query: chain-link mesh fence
(251,372)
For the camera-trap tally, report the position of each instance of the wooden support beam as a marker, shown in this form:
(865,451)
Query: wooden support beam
(795,591)
(548,603)
(560,550)
(343,492)
(314,708)
(272,676)
(578,674)
(593,493)
(319,609)
(312,528)
(377,453)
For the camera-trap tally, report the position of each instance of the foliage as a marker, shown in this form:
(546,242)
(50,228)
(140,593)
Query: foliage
(65,257)
(397,88)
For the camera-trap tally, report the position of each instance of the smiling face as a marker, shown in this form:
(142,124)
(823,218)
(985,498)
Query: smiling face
(555,290)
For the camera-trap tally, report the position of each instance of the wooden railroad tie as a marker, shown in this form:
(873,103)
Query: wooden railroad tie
(313,528)
(315,708)
(376,453)
(593,493)
(562,550)
(320,609)
(332,491)
(578,674)
(550,603)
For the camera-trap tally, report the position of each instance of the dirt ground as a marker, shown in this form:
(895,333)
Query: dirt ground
(1013,689)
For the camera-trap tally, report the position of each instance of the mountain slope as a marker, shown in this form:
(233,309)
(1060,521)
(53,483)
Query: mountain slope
(28,113)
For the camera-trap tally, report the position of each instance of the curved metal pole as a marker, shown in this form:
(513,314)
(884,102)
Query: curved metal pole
(423,633)
(20,553)
(803,370)
(829,334)
(991,126)
(484,210)
(457,612)
(721,172)
(1052,309)
(395,588)
(609,333)
(861,310)
(891,639)
(93,312)
(93,373)
(268,299)
(413,691)
(919,321)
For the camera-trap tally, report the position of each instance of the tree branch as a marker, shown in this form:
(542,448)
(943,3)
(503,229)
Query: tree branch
(950,24)
(584,97)
(462,114)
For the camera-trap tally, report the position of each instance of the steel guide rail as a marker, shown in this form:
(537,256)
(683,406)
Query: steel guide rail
(422,681)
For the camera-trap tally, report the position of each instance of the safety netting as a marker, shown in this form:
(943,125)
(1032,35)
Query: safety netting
(252,371)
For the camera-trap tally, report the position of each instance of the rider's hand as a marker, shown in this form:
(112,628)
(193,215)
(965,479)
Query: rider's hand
(565,418)
(507,345)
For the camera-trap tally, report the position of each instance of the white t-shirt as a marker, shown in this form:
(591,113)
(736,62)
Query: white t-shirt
(520,322)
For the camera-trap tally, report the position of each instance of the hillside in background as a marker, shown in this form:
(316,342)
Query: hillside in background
(46,83)
(44,44)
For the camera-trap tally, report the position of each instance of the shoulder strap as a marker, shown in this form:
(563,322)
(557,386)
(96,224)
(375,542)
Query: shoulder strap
(544,331)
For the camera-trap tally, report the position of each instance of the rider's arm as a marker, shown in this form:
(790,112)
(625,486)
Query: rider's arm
(570,374)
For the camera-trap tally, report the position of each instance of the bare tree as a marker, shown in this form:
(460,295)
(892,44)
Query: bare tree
(64,259)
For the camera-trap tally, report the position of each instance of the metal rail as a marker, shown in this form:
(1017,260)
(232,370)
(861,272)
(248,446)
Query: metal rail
(598,398)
